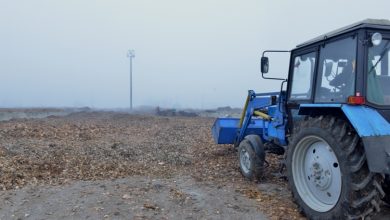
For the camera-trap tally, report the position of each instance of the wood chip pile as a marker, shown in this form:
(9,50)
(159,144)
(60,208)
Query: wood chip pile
(107,145)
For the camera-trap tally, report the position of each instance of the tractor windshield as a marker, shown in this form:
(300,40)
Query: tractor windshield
(378,74)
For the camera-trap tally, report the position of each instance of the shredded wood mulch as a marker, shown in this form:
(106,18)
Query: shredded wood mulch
(107,145)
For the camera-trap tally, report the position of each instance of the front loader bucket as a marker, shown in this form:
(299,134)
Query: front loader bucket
(225,130)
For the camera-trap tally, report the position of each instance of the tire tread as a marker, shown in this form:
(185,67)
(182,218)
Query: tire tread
(364,188)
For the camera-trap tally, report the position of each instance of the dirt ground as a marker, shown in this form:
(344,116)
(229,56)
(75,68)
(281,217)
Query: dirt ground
(110,165)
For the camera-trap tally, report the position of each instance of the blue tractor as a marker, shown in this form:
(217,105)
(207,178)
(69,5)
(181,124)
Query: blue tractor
(331,122)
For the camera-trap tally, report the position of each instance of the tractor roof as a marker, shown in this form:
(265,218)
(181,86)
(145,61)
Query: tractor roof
(368,23)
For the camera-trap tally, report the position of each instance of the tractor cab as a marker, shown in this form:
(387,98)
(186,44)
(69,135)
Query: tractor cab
(346,66)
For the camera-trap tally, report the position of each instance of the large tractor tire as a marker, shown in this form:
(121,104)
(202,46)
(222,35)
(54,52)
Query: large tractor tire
(386,189)
(328,172)
(251,157)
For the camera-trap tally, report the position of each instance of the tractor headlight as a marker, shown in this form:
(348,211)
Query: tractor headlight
(376,39)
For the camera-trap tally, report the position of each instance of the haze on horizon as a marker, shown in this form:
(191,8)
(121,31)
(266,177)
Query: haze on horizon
(189,54)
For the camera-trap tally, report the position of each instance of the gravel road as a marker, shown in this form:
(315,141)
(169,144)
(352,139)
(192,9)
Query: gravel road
(129,198)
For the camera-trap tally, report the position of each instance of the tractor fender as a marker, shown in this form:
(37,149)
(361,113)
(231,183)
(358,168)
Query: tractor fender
(366,121)
(257,145)
(372,128)
(374,131)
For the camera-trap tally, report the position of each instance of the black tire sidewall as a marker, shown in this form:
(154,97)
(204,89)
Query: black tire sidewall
(338,210)
(246,145)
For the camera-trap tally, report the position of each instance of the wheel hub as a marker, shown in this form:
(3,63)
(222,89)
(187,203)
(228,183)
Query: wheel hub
(245,160)
(321,178)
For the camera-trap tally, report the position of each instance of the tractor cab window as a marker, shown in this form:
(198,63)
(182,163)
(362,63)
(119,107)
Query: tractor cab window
(378,73)
(302,82)
(336,71)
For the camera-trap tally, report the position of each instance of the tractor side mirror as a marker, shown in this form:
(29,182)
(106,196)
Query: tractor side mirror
(264,64)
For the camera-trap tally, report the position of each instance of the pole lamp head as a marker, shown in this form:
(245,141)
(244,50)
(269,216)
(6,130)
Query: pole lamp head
(130,53)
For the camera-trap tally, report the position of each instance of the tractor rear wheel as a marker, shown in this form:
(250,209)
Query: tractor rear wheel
(328,173)
(251,157)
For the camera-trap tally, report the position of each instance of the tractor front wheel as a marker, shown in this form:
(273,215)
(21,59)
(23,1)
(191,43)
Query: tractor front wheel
(328,173)
(251,157)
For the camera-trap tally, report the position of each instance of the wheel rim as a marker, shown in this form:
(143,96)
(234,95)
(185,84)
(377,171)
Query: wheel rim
(316,173)
(245,160)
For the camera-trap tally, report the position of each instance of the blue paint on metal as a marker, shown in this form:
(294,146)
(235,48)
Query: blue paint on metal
(259,102)
(367,121)
(277,129)
(225,130)
(272,110)
(255,102)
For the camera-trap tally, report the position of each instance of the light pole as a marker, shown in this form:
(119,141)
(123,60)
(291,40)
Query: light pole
(131,55)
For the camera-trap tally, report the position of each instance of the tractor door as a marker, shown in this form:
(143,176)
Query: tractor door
(300,81)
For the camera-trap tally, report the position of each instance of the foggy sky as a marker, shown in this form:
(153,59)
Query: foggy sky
(198,54)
